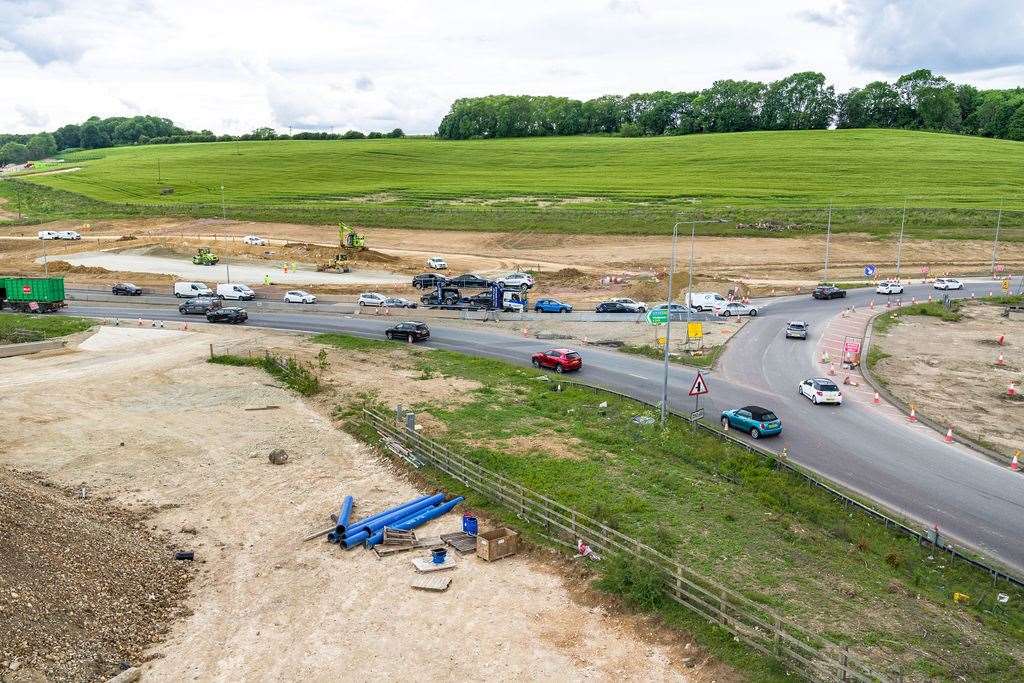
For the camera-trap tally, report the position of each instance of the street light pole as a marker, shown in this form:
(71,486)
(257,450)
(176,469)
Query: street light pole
(899,246)
(995,245)
(668,328)
(689,278)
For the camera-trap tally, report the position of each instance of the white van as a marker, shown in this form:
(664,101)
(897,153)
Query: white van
(48,235)
(68,235)
(236,291)
(705,301)
(188,290)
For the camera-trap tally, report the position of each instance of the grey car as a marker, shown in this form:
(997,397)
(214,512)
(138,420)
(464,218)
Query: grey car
(796,329)
(200,305)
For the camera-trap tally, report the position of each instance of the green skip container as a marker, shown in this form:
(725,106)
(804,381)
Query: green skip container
(32,294)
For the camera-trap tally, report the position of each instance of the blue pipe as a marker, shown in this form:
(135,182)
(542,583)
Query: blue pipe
(416,520)
(341,531)
(346,512)
(354,540)
(390,519)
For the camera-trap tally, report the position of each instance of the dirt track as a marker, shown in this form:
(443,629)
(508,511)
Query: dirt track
(265,605)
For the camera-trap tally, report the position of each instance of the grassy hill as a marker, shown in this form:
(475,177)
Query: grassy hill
(601,184)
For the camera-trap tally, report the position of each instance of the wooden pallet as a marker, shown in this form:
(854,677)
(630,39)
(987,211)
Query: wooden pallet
(386,550)
(461,541)
(438,584)
(399,537)
(424,564)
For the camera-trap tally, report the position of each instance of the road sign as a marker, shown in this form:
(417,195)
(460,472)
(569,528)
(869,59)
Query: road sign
(695,330)
(699,386)
(1006,285)
(661,340)
(1000,267)
(924,270)
(851,346)
(697,415)
(658,316)
(869,270)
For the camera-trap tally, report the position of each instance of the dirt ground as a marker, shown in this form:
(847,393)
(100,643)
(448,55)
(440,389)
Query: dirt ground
(265,605)
(752,264)
(948,370)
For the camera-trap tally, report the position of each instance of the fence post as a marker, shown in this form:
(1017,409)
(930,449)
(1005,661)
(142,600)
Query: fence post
(777,636)
(211,349)
(843,662)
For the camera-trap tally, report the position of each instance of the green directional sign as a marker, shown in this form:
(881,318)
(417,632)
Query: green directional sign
(658,316)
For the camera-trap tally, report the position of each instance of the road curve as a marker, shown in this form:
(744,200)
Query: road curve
(907,469)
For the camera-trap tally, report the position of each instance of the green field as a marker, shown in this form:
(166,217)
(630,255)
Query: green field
(579,184)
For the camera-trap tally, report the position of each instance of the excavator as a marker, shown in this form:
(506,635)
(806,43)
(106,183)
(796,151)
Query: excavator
(205,257)
(349,241)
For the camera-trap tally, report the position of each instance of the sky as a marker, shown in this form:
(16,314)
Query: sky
(231,66)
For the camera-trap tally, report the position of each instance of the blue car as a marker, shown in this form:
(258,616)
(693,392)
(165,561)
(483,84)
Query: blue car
(551,306)
(754,420)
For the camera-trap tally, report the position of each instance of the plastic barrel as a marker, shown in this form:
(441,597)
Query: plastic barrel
(437,555)
(469,524)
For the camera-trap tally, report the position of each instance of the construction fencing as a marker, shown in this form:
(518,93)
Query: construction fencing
(754,624)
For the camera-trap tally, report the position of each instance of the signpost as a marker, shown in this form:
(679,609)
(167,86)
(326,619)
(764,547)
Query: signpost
(658,316)
(694,330)
(698,388)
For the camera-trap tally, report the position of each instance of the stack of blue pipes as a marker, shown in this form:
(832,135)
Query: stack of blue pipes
(407,516)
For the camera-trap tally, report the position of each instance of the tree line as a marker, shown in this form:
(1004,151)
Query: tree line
(919,100)
(117,131)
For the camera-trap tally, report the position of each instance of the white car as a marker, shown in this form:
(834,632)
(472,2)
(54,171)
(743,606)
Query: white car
(437,263)
(371,299)
(734,308)
(255,240)
(640,305)
(947,283)
(298,296)
(68,235)
(889,287)
(48,235)
(516,281)
(821,390)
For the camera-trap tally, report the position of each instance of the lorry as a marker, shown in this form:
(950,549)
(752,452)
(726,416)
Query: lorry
(236,291)
(32,294)
(205,257)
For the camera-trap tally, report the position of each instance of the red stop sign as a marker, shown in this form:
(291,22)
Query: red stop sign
(26,289)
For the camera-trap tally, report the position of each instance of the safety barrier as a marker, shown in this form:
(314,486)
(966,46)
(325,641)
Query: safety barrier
(756,625)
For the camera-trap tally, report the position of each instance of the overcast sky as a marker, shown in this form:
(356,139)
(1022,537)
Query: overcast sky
(231,66)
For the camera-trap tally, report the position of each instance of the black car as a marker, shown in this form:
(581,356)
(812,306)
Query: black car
(229,314)
(428,281)
(469,281)
(201,305)
(448,296)
(481,299)
(616,307)
(828,291)
(126,289)
(409,331)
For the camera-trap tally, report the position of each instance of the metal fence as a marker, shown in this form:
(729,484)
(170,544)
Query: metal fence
(754,624)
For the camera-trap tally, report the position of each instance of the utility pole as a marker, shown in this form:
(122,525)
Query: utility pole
(668,328)
(995,245)
(899,246)
(689,277)
(828,238)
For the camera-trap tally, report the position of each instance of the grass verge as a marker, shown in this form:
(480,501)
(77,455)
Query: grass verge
(24,327)
(730,515)
(935,309)
(704,359)
(299,377)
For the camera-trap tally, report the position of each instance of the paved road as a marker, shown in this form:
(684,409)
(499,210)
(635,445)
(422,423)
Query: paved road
(908,469)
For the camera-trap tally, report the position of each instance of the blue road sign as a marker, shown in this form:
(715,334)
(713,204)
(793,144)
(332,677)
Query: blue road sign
(869,270)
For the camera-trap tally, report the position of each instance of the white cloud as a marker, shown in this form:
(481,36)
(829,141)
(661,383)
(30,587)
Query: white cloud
(234,65)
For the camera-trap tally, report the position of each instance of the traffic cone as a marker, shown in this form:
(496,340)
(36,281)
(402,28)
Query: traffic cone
(1011,390)
(184,326)
(832,370)
(117,323)
(877,399)
(725,425)
(1001,340)
(913,300)
(1015,464)
(948,438)
(913,414)
(1000,360)
(140,322)
(929,297)
(990,292)
(872,305)
(526,332)
(972,295)
(409,339)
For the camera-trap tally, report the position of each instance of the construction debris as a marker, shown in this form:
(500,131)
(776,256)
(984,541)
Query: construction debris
(438,584)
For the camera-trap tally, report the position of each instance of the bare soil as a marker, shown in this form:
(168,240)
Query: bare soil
(949,371)
(265,605)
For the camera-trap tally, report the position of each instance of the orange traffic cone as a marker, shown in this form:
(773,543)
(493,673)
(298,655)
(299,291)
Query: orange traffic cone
(832,370)
(1000,360)
(913,300)
(949,436)
(877,399)
(1001,340)
(929,297)
(1011,390)
(872,305)
(526,332)
(184,326)
(140,322)
(1015,464)
(913,414)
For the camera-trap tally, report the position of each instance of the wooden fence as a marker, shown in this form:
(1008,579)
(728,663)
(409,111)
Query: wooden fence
(754,624)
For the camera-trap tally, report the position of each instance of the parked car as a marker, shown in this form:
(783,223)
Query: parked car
(255,240)
(428,280)
(68,235)
(236,291)
(371,299)
(200,305)
(446,296)
(299,296)
(469,281)
(705,301)
(828,291)
(437,263)
(640,305)
(409,331)
(796,329)
(48,235)
(889,287)
(397,302)
(753,420)
(561,360)
(821,390)
(482,299)
(190,289)
(947,283)
(551,306)
(616,307)
(516,281)
(229,314)
(126,289)
(734,308)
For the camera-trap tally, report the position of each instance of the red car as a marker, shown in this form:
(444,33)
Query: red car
(562,360)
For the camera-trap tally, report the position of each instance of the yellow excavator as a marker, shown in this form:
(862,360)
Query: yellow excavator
(349,241)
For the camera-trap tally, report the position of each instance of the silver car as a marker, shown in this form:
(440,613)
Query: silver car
(796,329)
